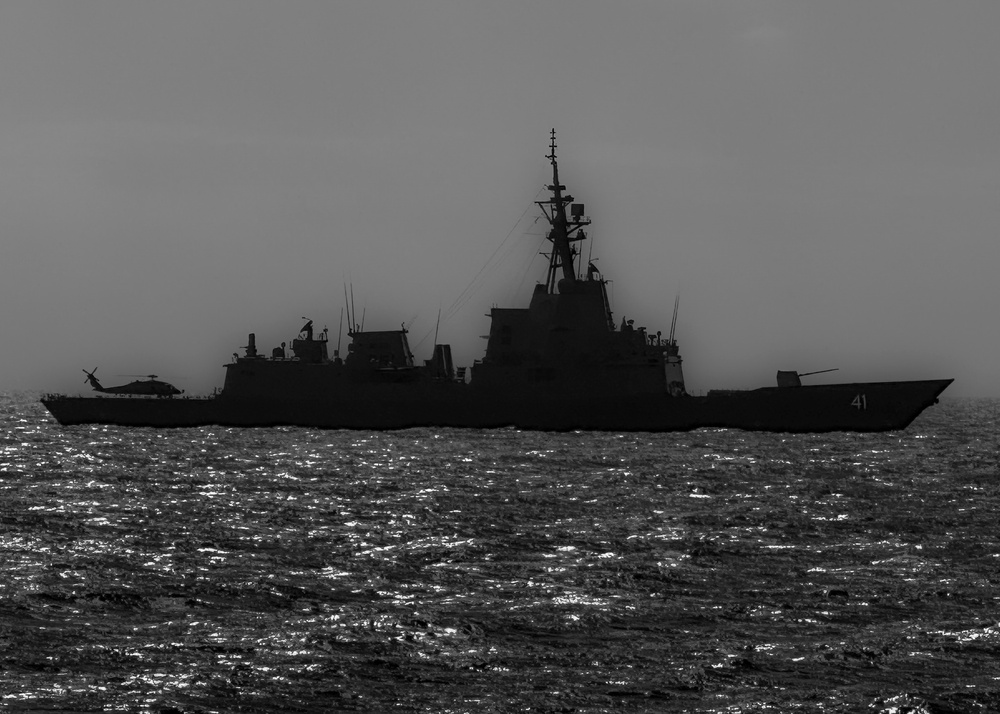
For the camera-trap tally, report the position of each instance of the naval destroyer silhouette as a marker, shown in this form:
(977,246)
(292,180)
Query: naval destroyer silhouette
(561,363)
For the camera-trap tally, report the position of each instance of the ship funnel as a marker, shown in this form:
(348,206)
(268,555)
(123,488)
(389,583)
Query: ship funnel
(674,372)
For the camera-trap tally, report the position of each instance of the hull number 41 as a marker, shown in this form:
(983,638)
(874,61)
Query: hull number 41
(860,402)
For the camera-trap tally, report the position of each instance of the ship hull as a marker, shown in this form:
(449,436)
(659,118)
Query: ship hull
(861,407)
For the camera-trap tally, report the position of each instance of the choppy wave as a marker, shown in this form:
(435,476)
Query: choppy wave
(228,570)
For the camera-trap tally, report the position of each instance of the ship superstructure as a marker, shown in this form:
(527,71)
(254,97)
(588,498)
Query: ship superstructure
(566,339)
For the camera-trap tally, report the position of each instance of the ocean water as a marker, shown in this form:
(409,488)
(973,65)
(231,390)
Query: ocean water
(295,570)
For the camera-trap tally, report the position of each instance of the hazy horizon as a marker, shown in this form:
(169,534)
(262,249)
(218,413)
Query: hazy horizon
(817,181)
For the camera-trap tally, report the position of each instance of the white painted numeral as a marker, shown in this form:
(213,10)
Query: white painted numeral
(860,402)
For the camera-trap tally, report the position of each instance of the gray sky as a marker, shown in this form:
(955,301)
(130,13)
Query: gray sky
(819,181)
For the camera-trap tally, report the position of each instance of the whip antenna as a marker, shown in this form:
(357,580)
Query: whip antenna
(673,322)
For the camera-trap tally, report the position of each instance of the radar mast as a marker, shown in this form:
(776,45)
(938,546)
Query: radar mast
(565,230)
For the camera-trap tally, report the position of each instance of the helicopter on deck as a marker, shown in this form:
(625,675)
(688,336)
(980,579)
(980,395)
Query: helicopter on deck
(150,386)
